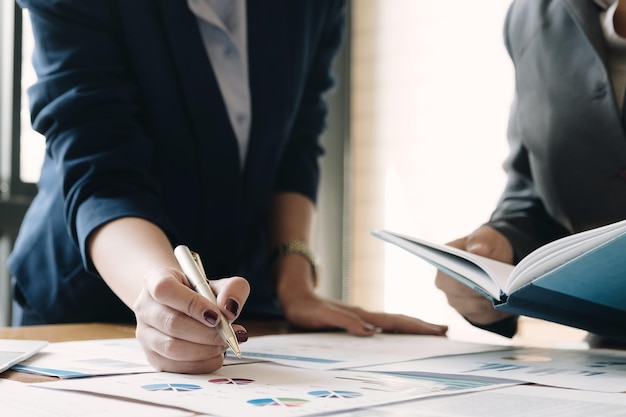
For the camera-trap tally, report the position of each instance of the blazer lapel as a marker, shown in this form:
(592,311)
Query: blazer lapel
(578,9)
(269,56)
(202,94)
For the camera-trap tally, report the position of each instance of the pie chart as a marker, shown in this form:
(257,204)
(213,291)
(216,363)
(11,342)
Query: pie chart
(171,387)
(231,381)
(335,394)
(278,402)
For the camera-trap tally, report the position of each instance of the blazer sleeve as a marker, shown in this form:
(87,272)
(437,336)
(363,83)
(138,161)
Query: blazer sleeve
(520,213)
(298,170)
(86,104)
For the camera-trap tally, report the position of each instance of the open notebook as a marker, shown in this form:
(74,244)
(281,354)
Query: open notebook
(13,351)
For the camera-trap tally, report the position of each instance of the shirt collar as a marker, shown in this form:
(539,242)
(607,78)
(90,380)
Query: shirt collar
(605,4)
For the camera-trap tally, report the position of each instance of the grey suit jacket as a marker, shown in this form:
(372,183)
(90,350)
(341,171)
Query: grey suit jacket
(567,164)
(566,171)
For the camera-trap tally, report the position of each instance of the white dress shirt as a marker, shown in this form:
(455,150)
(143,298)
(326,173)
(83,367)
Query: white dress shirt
(616,57)
(222,24)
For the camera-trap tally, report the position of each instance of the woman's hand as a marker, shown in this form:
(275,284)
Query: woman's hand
(292,220)
(313,312)
(176,326)
(305,309)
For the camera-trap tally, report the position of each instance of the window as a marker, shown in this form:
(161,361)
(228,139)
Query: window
(21,149)
(32,145)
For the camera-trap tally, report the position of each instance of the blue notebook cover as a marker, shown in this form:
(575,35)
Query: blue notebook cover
(588,292)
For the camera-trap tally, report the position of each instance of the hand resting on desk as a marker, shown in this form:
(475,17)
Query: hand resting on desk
(304,308)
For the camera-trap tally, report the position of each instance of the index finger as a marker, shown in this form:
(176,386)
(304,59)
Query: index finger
(167,286)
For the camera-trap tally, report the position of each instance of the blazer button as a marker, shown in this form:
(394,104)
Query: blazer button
(622,174)
(599,92)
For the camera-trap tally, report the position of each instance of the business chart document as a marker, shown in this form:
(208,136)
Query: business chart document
(21,400)
(87,358)
(514,401)
(271,390)
(83,358)
(338,350)
(601,370)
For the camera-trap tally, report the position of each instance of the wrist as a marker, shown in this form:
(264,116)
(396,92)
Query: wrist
(295,258)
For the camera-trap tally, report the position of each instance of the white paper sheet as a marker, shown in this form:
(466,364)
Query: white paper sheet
(271,390)
(339,350)
(592,370)
(82,358)
(515,401)
(88,358)
(21,400)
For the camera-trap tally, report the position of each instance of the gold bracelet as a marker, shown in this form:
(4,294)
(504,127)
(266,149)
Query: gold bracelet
(300,248)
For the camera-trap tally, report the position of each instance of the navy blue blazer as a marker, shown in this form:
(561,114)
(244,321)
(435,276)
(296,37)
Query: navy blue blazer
(135,126)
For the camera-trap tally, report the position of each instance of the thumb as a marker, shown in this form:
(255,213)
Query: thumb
(479,243)
(488,242)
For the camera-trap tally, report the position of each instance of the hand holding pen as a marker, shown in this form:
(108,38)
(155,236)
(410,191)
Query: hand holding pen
(177,327)
(194,271)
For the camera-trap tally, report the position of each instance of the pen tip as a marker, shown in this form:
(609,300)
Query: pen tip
(234,346)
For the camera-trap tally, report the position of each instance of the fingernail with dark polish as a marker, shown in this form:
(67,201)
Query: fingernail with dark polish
(210,317)
(242,335)
(232,306)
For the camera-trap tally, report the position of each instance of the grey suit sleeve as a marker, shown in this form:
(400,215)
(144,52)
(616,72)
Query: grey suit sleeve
(506,327)
(520,214)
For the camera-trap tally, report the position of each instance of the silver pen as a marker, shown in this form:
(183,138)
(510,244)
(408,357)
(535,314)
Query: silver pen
(194,271)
